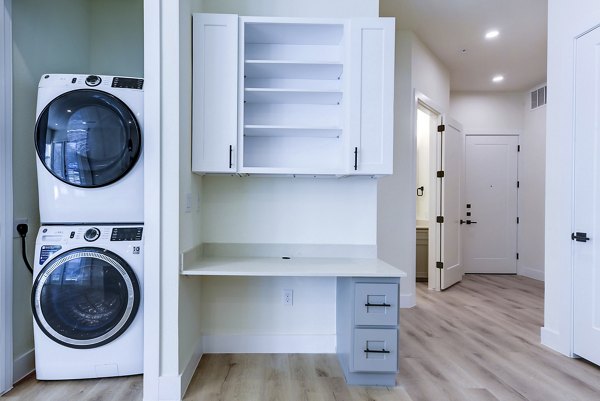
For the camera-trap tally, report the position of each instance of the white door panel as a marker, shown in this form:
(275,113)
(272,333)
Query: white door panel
(586,218)
(450,156)
(490,232)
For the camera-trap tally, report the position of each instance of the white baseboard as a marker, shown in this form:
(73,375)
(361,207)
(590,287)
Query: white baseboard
(408,300)
(553,340)
(23,365)
(173,388)
(537,274)
(191,365)
(269,344)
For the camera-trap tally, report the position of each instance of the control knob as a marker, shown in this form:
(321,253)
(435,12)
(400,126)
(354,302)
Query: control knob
(93,80)
(91,234)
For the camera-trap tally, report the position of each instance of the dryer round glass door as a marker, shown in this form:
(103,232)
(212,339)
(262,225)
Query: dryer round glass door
(87,138)
(85,297)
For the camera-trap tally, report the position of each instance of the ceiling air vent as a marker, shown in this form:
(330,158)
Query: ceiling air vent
(538,97)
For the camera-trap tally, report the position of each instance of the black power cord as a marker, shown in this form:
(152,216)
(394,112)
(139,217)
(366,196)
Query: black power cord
(22,230)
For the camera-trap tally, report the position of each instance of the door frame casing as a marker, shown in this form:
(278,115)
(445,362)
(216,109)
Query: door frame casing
(6,201)
(422,100)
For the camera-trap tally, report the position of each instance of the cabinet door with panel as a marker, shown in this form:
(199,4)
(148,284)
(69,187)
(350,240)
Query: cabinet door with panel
(371,96)
(215,101)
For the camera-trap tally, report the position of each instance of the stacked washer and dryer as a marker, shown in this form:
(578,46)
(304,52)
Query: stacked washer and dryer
(88,270)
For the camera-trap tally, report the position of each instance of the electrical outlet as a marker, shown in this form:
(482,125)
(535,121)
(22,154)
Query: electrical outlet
(16,222)
(288,297)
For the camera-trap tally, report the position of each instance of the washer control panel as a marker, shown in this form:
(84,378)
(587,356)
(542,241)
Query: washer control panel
(91,234)
(126,234)
(93,80)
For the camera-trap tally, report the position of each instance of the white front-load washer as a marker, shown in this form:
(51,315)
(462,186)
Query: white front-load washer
(87,301)
(88,139)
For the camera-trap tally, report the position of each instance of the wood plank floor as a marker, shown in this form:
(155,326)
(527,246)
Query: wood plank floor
(476,341)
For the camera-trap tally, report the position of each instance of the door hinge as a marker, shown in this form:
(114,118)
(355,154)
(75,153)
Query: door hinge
(517,255)
(518,148)
(517,220)
(441,128)
(518,184)
(439,219)
(440,174)
(439,265)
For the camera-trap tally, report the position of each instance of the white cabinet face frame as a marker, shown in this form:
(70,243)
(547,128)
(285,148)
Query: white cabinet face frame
(292,91)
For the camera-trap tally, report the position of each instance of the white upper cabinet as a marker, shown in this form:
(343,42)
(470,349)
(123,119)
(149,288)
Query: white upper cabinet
(372,95)
(215,93)
(306,95)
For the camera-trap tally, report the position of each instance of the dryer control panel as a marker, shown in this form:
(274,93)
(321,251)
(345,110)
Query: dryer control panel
(126,234)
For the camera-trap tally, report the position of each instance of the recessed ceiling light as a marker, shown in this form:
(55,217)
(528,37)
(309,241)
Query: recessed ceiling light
(491,34)
(498,78)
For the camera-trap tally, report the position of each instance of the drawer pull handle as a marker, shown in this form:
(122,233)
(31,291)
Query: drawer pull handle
(384,305)
(377,351)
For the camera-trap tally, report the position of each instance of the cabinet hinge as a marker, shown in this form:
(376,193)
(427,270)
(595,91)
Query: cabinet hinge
(518,148)
(518,184)
(439,265)
(439,219)
(517,255)
(440,174)
(441,128)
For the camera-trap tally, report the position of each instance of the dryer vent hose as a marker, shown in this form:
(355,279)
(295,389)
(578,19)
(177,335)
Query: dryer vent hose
(22,230)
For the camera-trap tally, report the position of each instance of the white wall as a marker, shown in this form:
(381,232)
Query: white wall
(417,70)
(423,179)
(532,174)
(292,8)
(565,22)
(116,36)
(488,112)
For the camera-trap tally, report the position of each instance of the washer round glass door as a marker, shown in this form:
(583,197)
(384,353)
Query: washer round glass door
(85,297)
(87,138)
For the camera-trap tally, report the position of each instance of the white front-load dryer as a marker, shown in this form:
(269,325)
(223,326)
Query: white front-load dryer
(88,140)
(87,301)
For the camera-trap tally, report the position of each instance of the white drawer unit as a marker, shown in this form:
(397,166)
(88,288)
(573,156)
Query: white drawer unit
(367,329)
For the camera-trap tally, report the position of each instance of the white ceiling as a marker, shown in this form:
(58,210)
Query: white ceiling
(447,27)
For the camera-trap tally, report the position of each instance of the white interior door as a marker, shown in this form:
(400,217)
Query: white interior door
(490,204)
(6,265)
(450,146)
(586,219)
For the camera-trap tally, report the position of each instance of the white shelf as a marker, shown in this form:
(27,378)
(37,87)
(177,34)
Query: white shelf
(297,131)
(294,267)
(292,69)
(291,96)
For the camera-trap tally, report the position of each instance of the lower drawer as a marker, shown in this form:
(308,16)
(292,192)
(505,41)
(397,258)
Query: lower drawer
(375,350)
